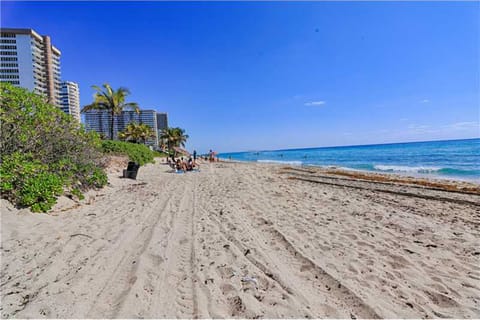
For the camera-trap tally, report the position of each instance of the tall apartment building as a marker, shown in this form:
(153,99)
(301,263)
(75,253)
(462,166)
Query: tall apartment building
(162,122)
(70,99)
(100,120)
(29,60)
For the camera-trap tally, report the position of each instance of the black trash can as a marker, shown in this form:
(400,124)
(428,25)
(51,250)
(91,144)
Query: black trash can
(131,171)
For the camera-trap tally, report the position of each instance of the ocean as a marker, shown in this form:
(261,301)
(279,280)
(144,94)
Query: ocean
(452,159)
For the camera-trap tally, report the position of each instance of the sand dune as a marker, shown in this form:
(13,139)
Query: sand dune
(247,241)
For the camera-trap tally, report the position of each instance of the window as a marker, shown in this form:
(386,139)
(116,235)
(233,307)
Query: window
(9,70)
(9,76)
(7,65)
(14,82)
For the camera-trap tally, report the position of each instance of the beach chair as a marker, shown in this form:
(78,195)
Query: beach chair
(131,171)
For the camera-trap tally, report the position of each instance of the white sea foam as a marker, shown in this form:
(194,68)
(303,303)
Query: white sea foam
(406,169)
(295,163)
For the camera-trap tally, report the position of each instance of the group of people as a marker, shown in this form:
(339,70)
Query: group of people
(188,164)
(183,164)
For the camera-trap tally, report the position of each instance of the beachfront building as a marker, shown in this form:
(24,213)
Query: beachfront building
(99,121)
(29,60)
(70,99)
(162,122)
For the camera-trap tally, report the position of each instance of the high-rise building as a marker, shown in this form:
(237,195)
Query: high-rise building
(70,99)
(29,60)
(162,121)
(100,121)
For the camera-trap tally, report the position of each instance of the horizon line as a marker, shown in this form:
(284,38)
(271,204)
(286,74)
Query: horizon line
(352,145)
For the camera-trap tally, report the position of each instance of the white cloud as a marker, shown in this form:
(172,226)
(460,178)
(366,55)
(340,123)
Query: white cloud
(315,103)
(425,101)
(466,125)
(421,129)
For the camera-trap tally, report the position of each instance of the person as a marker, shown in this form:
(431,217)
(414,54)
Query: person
(190,164)
(194,156)
(170,163)
(210,155)
(184,163)
(178,165)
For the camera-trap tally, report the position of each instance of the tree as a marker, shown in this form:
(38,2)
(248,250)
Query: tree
(112,101)
(136,132)
(173,137)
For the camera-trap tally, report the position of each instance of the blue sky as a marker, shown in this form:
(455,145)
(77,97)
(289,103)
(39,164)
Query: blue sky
(276,75)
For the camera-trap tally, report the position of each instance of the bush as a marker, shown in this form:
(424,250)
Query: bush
(138,153)
(43,151)
(40,191)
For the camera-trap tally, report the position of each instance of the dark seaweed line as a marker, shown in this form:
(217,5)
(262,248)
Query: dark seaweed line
(408,194)
(403,184)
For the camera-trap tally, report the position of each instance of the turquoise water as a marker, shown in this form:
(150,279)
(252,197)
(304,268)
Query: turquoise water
(453,159)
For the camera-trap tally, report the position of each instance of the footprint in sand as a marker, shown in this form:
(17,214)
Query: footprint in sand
(441,300)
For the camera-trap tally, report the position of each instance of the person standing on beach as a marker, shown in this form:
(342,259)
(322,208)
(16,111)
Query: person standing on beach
(194,156)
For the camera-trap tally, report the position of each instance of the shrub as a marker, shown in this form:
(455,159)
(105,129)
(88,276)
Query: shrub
(43,151)
(138,153)
(76,192)
(40,191)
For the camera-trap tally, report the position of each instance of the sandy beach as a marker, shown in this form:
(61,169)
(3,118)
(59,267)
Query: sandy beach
(248,241)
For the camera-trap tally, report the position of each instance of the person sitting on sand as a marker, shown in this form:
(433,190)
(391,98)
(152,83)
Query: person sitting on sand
(180,166)
(191,164)
(171,163)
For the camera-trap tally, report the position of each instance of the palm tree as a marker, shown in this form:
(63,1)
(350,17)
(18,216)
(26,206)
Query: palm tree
(173,137)
(144,132)
(136,132)
(181,137)
(130,133)
(112,101)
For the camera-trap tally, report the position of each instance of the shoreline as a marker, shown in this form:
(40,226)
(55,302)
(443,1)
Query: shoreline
(259,240)
(334,168)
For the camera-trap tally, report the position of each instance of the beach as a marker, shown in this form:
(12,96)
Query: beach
(247,240)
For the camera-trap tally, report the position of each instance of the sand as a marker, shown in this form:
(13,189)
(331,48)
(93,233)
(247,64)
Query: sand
(246,241)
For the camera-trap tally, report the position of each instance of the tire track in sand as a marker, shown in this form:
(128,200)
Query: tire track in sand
(327,297)
(177,295)
(110,298)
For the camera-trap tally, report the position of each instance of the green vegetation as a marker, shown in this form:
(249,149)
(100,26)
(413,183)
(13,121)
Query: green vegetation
(135,132)
(138,153)
(111,100)
(43,151)
(173,137)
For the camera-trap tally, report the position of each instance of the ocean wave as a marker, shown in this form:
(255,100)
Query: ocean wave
(295,163)
(393,168)
(428,170)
